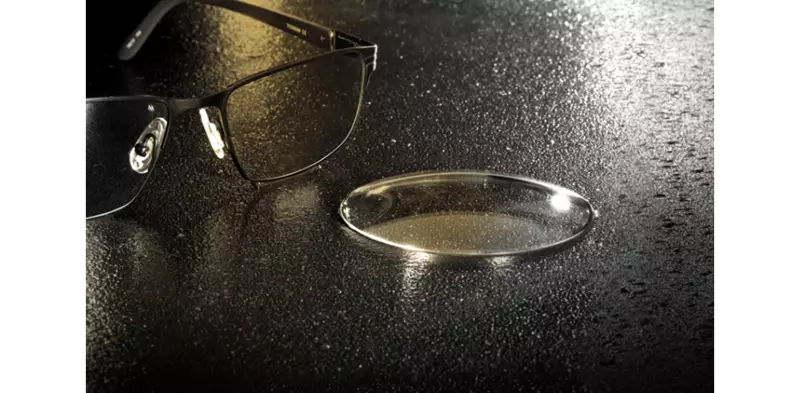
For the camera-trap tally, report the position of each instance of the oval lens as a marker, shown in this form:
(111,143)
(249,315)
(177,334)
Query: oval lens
(467,213)
(123,138)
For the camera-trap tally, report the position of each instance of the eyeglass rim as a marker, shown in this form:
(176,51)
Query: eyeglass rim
(229,131)
(334,41)
(178,106)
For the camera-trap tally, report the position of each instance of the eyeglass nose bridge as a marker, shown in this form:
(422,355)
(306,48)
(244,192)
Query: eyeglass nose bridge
(213,131)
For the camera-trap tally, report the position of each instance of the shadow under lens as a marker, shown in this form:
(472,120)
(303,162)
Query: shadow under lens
(113,129)
(288,121)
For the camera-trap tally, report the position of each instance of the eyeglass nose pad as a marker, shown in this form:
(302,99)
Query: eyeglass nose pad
(214,134)
(142,155)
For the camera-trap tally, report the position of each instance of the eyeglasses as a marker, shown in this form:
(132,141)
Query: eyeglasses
(275,123)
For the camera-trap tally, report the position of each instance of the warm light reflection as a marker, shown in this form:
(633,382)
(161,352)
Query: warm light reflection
(418,258)
(297,200)
(502,261)
(413,270)
(246,45)
(560,202)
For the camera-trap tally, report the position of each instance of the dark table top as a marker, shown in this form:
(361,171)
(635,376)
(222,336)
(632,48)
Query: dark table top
(206,283)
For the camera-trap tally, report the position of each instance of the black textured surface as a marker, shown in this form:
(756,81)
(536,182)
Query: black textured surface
(206,284)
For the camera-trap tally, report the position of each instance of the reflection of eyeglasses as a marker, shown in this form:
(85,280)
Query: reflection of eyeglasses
(275,123)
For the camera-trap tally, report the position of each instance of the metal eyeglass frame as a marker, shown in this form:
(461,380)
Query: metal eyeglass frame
(336,42)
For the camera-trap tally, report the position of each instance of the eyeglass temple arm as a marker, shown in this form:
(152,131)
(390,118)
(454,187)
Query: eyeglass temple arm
(320,36)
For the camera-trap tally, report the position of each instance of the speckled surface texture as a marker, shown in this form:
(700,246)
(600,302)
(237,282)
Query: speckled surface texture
(208,284)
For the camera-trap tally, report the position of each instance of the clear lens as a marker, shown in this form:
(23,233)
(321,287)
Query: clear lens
(467,213)
(290,120)
(123,139)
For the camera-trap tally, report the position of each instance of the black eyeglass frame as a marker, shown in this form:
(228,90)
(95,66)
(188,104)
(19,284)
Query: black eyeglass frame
(338,43)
